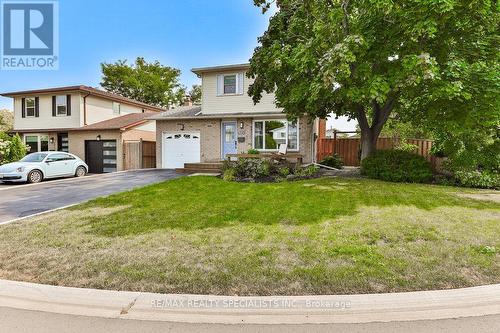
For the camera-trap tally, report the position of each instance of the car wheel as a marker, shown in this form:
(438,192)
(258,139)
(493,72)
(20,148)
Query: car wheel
(35,176)
(80,171)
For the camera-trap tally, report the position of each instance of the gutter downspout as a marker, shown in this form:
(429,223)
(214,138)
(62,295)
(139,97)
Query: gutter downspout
(85,109)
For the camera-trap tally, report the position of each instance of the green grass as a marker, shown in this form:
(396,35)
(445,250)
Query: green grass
(322,236)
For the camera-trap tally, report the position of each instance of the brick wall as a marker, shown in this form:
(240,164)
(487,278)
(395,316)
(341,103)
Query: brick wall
(211,141)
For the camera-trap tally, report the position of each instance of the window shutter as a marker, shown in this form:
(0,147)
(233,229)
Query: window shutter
(220,85)
(68,105)
(23,108)
(240,83)
(54,106)
(37,106)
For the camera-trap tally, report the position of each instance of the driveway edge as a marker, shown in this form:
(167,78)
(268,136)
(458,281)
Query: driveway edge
(409,306)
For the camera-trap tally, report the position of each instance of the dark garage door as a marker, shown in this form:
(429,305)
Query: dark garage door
(100,156)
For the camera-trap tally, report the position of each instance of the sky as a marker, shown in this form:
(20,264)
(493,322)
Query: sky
(179,33)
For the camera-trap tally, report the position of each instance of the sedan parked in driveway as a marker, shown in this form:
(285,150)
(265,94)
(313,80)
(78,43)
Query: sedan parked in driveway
(34,168)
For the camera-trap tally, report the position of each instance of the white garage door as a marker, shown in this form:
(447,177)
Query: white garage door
(180,148)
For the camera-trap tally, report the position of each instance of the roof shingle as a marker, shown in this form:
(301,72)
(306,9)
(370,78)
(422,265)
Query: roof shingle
(118,123)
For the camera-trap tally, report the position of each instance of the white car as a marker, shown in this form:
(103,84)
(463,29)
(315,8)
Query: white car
(35,167)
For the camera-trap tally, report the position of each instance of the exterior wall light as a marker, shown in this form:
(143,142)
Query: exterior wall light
(99,137)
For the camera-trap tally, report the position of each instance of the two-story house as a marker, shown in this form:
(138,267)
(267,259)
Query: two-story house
(90,123)
(228,122)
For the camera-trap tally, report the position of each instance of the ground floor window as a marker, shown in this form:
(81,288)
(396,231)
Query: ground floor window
(270,134)
(37,143)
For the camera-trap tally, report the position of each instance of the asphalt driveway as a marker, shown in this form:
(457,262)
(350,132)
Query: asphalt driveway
(18,201)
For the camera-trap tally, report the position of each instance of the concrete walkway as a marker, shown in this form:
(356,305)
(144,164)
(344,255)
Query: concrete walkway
(18,201)
(470,309)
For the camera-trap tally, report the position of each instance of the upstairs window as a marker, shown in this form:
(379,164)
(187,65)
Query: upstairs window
(230,84)
(30,107)
(61,105)
(116,108)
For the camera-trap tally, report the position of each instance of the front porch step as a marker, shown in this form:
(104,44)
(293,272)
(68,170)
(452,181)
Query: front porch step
(213,167)
(185,170)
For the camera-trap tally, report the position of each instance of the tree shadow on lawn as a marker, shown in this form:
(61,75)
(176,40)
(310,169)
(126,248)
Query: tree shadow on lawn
(193,203)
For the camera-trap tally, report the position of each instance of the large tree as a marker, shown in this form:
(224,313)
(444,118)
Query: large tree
(150,83)
(369,59)
(6,120)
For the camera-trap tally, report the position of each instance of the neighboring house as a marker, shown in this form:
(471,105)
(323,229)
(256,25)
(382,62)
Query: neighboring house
(85,121)
(228,122)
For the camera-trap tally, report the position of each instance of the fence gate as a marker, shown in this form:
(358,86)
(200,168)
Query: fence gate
(139,155)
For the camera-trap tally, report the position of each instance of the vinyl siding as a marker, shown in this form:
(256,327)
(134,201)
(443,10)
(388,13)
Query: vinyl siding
(45,119)
(100,109)
(211,103)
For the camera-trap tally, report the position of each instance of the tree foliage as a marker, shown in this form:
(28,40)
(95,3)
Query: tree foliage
(195,94)
(150,83)
(12,148)
(426,61)
(6,120)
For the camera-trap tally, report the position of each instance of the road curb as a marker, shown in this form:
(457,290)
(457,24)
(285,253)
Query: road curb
(410,306)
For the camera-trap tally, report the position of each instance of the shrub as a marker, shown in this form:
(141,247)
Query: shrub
(12,148)
(253,152)
(284,171)
(264,169)
(406,147)
(397,166)
(476,178)
(307,171)
(253,168)
(229,174)
(334,161)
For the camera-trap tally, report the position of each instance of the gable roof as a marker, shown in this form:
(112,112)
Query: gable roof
(87,90)
(121,123)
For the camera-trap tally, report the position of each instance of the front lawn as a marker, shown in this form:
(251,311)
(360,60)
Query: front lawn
(322,236)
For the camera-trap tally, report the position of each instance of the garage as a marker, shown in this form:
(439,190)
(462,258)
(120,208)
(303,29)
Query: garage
(100,155)
(180,148)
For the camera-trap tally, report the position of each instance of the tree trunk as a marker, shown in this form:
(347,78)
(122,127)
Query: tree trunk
(368,142)
(370,133)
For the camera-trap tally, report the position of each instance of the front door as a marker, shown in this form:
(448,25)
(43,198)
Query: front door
(62,142)
(229,139)
(93,156)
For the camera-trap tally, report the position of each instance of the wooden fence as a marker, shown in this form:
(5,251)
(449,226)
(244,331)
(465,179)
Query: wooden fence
(139,155)
(349,148)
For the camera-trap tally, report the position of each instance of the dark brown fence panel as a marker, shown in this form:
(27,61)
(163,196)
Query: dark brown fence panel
(148,154)
(349,148)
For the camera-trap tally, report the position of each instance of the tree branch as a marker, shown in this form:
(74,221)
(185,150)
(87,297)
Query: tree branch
(361,116)
(345,21)
(382,116)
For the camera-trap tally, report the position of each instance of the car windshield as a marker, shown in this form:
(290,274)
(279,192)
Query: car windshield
(35,157)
